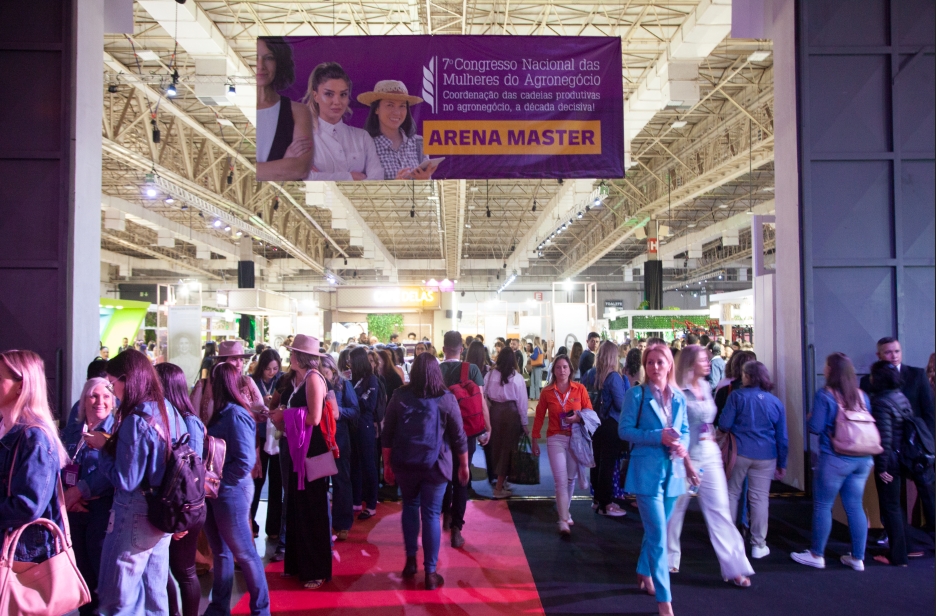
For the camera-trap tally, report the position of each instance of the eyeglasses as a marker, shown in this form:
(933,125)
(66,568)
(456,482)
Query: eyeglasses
(110,384)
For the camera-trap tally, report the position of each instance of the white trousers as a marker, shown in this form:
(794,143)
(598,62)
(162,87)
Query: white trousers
(565,471)
(713,499)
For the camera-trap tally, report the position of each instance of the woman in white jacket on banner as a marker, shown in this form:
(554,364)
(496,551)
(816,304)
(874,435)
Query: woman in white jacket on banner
(691,372)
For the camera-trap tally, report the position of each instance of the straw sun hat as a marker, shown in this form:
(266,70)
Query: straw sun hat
(389,89)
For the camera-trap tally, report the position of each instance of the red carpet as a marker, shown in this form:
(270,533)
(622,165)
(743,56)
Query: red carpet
(490,575)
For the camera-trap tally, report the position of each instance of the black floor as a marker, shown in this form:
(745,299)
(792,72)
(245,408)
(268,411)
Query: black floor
(593,572)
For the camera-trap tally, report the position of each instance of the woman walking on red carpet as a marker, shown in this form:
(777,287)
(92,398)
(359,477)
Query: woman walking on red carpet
(422,431)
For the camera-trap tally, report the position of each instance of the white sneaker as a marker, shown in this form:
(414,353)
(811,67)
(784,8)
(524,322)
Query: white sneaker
(850,561)
(500,494)
(809,559)
(612,511)
(759,552)
(564,529)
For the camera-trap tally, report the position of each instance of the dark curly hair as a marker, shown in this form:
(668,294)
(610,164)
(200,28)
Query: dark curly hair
(285,67)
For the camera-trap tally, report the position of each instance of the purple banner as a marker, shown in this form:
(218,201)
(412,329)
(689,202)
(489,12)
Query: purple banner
(446,107)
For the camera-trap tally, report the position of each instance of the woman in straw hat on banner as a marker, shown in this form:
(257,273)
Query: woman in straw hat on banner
(394,131)
(306,412)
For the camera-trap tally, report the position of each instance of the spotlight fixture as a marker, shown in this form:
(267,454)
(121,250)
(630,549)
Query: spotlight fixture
(412,213)
(467,225)
(275,201)
(560,181)
(539,254)
(505,265)
(227,227)
(151,192)
(588,208)
(112,88)
(173,90)
(346,261)
(488,213)
(232,89)
(534,205)
(183,207)
(170,200)
(239,233)
(230,177)
(580,215)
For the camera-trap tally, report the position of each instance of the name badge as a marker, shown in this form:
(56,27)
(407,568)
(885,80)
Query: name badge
(70,475)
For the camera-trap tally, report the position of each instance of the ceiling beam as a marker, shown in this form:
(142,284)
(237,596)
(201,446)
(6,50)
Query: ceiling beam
(159,256)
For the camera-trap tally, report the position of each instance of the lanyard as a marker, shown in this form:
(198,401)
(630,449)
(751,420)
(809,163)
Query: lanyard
(562,401)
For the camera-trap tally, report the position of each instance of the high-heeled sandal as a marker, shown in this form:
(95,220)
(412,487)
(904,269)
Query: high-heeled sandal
(646,584)
(313,584)
(742,581)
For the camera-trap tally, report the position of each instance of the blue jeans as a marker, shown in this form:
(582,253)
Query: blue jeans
(422,498)
(846,476)
(229,534)
(134,561)
(536,382)
(655,512)
(342,503)
(364,466)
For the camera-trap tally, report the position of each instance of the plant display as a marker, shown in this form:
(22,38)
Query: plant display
(382,325)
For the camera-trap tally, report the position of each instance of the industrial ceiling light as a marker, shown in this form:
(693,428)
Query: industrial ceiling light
(151,192)
(170,200)
(679,123)
(412,213)
(580,215)
(758,56)
(534,205)
(227,227)
(231,89)
(155,130)
(217,224)
(467,225)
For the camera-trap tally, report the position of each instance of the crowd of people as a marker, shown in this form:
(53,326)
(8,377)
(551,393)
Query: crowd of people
(330,430)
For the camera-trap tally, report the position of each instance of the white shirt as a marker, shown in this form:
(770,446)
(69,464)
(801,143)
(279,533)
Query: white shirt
(267,121)
(341,149)
(515,390)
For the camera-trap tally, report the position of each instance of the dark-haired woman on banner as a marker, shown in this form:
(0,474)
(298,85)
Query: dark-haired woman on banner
(282,124)
(183,546)
(394,131)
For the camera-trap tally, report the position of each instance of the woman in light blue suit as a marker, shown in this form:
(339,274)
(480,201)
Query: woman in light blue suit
(654,422)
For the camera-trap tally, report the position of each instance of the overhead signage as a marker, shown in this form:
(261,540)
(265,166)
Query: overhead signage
(538,296)
(653,245)
(482,107)
(379,298)
(614,303)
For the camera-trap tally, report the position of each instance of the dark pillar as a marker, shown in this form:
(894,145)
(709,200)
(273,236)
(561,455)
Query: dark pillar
(36,175)
(653,284)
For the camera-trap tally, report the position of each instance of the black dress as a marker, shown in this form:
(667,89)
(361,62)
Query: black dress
(308,536)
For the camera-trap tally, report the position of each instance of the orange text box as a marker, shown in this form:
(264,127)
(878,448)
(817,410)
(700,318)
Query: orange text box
(495,137)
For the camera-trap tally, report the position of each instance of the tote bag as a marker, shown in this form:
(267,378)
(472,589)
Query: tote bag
(524,466)
(49,588)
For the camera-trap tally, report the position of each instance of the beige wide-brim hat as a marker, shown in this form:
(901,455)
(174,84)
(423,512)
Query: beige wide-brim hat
(389,89)
(231,348)
(306,344)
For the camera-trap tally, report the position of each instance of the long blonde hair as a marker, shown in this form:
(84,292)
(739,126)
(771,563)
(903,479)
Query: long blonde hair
(685,368)
(32,409)
(606,362)
(90,386)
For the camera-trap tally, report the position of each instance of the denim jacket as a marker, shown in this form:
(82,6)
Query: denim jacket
(92,483)
(236,427)
(32,490)
(367,391)
(822,421)
(196,430)
(612,395)
(347,402)
(758,420)
(140,460)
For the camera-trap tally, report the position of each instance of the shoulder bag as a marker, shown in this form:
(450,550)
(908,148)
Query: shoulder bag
(49,588)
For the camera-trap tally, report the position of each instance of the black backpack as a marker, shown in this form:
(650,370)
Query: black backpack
(417,442)
(179,503)
(916,455)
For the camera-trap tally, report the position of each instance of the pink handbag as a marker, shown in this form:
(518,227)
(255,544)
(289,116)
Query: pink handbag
(49,588)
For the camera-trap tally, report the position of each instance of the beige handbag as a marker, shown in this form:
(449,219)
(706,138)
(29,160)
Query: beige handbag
(48,588)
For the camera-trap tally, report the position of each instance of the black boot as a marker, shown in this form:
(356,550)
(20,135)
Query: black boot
(433,581)
(409,571)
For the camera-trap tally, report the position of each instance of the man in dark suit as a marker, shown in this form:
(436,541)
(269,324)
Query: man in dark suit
(916,388)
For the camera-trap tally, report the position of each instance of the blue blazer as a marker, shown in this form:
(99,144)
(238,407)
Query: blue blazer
(646,472)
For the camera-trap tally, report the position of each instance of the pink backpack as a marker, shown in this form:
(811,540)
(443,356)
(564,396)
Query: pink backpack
(855,431)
